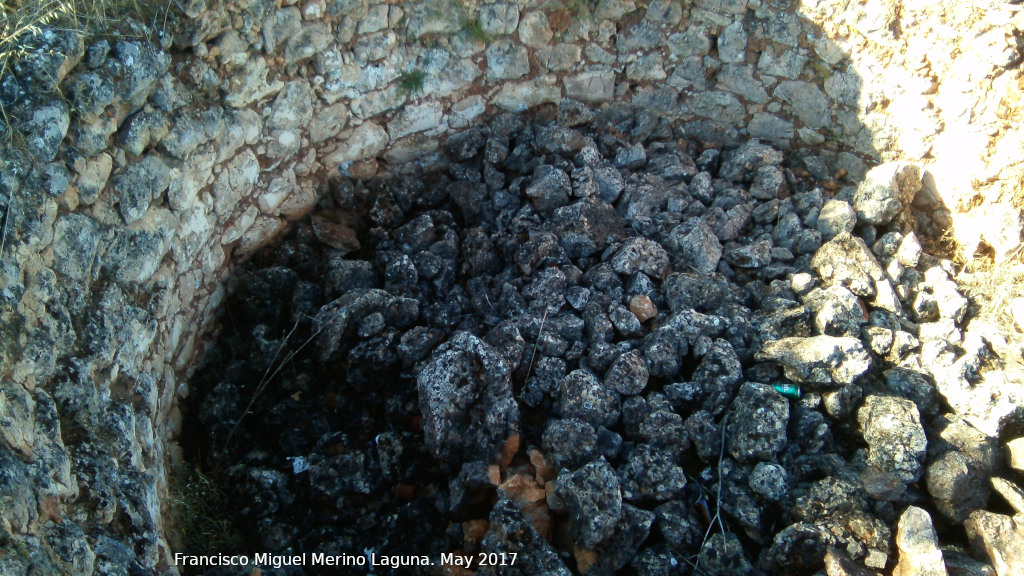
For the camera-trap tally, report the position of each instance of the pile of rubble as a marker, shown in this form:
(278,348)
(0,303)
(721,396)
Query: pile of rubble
(596,345)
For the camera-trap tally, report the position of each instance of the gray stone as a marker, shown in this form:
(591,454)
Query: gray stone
(506,60)
(732,44)
(847,261)
(138,66)
(718,374)
(76,238)
(1015,452)
(807,101)
(1012,493)
(584,397)
(836,217)
(434,17)
(366,141)
(312,39)
(465,395)
(896,440)
(569,443)
(142,129)
(498,19)
(140,184)
(521,96)
(56,178)
(593,500)
(886,191)
(693,41)
(328,122)
(375,20)
(998,537)
(628,374)
(137,250)
(651,474)
(837,311)
(664,12)
(598,55)
(373,47)
(799,548)
(697,246)
(787,64)
(768,182)
(560,57)
(193,129)
(756,253)
(46,128)
(592,87)
(250,85)
(918,545)
(625,322)
(641,255)
(909,252)
(534,30)
(647,68)
(758,421)
(716,105)
(413,119)
(643,36)
(740,80)
(511,533)
(723,554)
(632,530)
(550,188)
(770,128)
(769,480)
(279,27)
(92,178)
(236,180)
(915,386)
(827,360)
(446,74)
(742,164)
(613,9)
(957,484)
(784,28)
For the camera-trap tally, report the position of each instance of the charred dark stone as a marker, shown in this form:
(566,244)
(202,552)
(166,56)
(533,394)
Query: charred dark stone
(603,313)
(466,398)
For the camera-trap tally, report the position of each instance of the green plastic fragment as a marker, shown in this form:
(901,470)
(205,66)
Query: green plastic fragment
(788,390)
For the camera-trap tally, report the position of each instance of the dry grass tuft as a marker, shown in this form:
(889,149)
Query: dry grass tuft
(23,20)
(203,518)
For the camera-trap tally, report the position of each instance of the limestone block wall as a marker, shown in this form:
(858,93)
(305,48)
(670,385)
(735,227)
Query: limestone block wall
(147,169)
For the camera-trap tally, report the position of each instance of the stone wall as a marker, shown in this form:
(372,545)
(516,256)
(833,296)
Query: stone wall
(147,169)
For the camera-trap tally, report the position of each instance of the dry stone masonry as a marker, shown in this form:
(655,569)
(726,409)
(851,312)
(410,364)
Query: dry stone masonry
(138,174)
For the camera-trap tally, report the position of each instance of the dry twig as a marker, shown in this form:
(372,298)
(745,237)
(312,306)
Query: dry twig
(718,500)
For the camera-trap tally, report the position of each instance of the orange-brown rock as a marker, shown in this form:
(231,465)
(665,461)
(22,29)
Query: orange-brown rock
(642,307)
(531,499)
(543,470)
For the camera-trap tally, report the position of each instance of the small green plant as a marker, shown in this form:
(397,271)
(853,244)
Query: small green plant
(412,81)
(475,32)
(579,8)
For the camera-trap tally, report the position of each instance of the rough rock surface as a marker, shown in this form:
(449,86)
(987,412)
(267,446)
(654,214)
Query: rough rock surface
(110,278)
(467,382)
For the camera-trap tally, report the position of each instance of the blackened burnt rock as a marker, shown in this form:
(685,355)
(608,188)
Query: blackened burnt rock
(600,348)
(466,397)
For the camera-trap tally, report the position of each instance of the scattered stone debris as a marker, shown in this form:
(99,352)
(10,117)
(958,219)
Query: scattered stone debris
(565,349)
